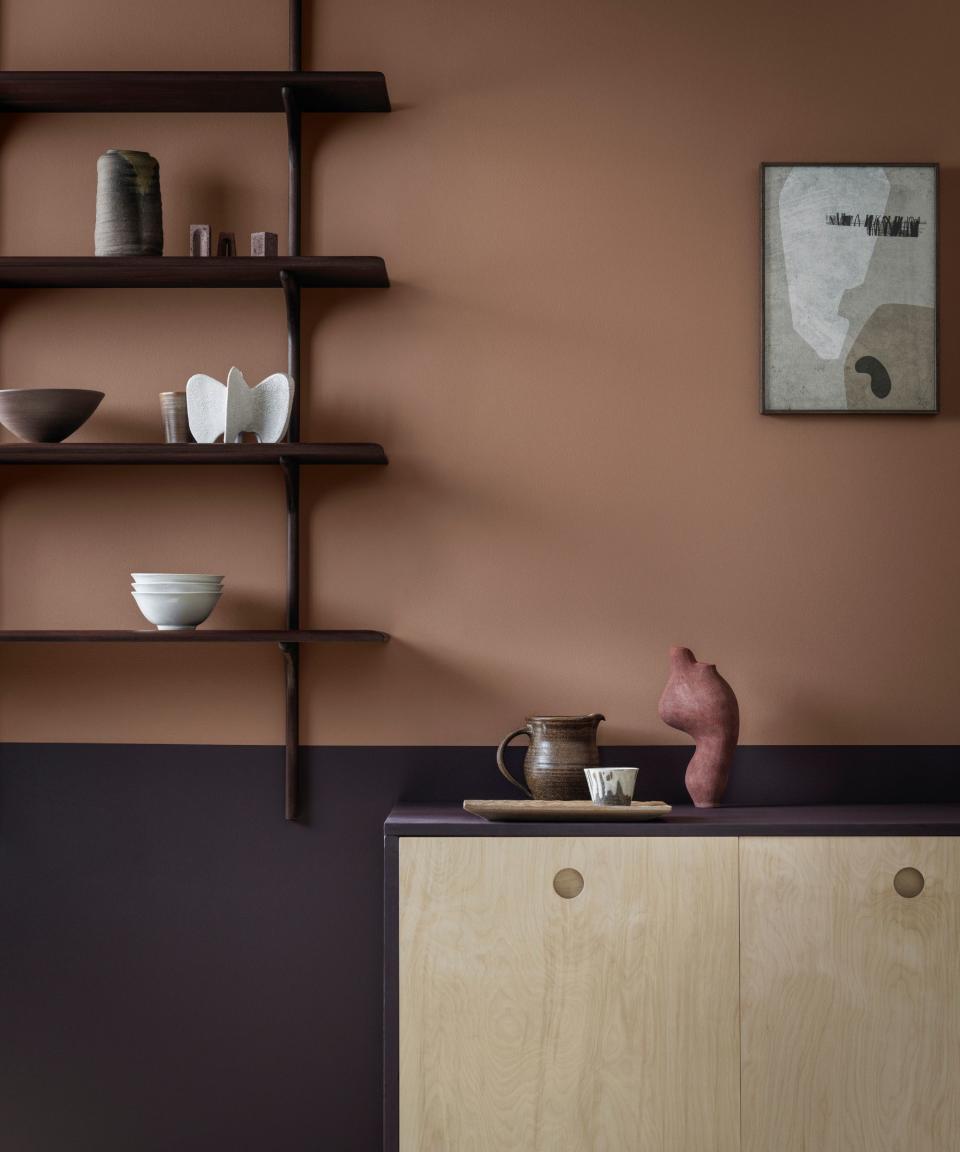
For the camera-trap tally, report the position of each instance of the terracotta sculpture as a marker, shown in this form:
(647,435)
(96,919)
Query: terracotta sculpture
(697,700)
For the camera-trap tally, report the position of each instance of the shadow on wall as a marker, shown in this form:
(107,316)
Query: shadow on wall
(323,418)
(949,288)
(408,676)
(318,133)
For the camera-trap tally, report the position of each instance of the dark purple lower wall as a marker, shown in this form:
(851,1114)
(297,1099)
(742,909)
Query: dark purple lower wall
(181,969)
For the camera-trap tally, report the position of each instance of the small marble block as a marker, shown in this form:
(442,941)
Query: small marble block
(263,244)
(226,244)
(199,239)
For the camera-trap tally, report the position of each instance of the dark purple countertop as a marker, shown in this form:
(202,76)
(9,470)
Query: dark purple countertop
(820,820)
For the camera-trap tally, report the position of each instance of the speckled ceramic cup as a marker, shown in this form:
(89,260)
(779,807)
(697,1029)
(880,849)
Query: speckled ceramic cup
(173,414)
(611,786)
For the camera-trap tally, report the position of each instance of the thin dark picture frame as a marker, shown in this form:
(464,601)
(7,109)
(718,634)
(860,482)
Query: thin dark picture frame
(764,410)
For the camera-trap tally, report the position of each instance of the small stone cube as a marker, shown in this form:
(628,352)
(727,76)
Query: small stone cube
(199,239)
(263,244)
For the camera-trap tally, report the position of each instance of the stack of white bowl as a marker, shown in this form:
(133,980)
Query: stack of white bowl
(174,600)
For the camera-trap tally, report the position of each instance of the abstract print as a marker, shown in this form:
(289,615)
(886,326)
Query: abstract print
(850,288)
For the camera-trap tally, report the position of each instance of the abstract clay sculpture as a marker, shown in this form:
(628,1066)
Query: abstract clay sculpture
(129,213)
(215,409)
(697,700)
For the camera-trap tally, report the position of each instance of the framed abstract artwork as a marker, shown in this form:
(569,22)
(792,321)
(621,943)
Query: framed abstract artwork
(849,288)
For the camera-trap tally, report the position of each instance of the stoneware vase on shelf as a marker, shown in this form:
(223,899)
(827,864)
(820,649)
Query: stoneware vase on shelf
(129,213)
(697,700)
(560,748)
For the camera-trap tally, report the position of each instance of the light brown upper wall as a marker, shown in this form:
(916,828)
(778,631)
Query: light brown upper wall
(564,375)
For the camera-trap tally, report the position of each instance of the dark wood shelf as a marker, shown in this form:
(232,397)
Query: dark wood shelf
(191,271)
(192,454)
(289,93)
(197,636)
(191,91)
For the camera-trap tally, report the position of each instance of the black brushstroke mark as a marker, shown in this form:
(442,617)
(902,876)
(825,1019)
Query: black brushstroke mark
(879,377)
(909,226)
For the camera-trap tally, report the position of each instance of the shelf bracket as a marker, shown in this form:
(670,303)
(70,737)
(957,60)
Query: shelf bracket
(291,476)
(291,297)
(291,107)
(291,764)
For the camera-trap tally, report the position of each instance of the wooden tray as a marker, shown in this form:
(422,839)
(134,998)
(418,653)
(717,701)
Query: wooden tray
(565,810)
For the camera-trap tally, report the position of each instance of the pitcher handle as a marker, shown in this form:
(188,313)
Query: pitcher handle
(524,731)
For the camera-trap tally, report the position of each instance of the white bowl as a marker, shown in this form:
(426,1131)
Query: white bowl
(171,610)
(176,577)
(176,586)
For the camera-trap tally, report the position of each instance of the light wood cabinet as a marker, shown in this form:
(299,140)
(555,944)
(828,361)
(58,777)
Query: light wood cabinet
(674,993)
(539,1016)
(850,995)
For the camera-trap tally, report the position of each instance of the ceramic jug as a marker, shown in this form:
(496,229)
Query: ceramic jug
(560,748)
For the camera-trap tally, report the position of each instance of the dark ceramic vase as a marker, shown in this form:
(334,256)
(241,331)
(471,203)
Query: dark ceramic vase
(560,748)
(129,213)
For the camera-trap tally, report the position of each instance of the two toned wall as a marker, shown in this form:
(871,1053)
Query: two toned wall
(565,376)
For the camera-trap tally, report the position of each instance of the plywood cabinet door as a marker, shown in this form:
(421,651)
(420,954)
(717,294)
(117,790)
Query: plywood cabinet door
(538,1021)
(850,995)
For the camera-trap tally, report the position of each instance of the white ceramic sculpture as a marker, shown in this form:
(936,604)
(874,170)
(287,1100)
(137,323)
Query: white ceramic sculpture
(215,409)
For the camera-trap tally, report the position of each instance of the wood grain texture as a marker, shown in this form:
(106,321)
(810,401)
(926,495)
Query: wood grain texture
(197,636)
(903,819)
(530,1022)
(191,91)
(189,272)
(850,995)
(566,810)
(88,453)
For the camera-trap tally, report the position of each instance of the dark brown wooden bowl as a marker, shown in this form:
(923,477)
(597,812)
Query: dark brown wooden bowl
(46,415)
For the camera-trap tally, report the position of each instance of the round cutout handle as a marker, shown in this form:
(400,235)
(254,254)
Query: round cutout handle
(908,883)
(524,731)
(568,883)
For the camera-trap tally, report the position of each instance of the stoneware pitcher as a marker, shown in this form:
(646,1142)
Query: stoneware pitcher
(560,748)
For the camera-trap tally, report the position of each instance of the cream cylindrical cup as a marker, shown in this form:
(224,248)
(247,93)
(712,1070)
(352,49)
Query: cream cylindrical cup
(611,786)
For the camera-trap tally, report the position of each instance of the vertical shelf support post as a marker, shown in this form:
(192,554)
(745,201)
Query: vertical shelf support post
(296,35)
(291,469)
(291,476)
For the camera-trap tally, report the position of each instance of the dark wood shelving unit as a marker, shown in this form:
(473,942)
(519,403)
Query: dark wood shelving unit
(197,636)
(192,454)
(192,271)
(292,92)
(191,91)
